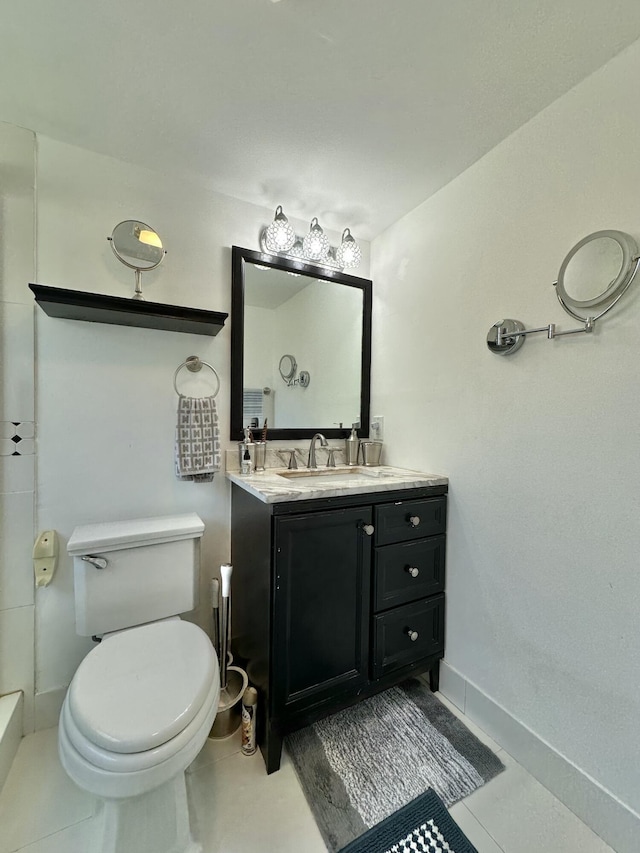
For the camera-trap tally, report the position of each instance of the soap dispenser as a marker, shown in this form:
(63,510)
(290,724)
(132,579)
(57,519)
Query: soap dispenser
(352,445)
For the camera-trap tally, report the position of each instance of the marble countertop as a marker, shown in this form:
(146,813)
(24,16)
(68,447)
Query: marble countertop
(274,486)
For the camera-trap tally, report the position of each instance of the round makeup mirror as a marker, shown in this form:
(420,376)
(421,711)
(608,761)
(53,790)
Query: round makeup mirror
(288,367)
(596,271)
(138,247)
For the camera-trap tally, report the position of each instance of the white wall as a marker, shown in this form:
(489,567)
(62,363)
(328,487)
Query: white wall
(329,349)
(105,397)
(17,206)
(542,448)
(259,348)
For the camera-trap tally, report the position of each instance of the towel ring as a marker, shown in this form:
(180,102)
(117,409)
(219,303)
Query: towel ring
(194,364)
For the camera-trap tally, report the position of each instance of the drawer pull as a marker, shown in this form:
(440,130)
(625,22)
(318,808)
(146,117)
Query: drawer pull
(414,520)
(414,571)
(413,635)
(367,528)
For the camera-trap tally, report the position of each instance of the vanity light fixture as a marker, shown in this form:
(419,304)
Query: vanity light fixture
(315,245)
(280,239)
(348,254)
(279,236)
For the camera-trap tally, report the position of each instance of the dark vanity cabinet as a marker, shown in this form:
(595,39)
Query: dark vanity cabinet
(334,600)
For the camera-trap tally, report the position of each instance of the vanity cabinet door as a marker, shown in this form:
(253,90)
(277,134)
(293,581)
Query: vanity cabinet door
(321,617)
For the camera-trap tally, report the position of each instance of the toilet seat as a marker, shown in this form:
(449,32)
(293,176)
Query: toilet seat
(122,785)
(140,689)
(119,762)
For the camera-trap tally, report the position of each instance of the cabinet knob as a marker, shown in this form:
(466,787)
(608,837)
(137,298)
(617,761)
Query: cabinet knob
(367,528)
(414,571)
(413,635)
(414,520)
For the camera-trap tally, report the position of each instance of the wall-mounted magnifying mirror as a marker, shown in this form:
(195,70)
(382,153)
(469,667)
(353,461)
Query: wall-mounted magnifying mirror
(596,273)
(597,270)
(138,247)
(287,367)
(286,306)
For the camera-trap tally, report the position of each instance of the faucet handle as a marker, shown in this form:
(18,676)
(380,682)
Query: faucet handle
(331,457)
(292,462)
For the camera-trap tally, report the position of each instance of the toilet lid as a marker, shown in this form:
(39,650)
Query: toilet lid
(141,687)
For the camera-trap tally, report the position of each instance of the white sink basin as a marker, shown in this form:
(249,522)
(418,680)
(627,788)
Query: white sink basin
(327,475)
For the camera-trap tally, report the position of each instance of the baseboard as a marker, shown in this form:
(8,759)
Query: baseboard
(607,816)
(10,731)
(47,708)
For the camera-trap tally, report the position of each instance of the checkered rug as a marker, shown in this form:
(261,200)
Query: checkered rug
(422,826)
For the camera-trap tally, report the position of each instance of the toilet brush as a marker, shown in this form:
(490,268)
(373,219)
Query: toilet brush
(215,603)
(233,680)
(225,575)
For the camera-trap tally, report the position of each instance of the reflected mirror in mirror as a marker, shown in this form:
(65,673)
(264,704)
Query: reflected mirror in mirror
(287,364)
(297,321)
(596,269)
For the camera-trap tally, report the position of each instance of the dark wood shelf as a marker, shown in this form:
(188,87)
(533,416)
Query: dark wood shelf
(119,311)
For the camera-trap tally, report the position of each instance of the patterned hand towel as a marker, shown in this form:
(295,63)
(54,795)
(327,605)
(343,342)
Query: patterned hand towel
(197,439)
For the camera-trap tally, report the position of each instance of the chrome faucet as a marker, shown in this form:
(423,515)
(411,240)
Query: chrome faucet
(311,462)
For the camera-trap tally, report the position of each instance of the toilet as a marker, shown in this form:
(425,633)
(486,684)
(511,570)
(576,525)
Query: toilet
(142,702)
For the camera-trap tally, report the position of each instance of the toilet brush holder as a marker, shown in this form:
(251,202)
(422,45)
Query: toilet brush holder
(229,715)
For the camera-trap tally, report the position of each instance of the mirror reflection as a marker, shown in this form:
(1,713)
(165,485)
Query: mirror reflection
(304,349)
(596,271)
(591,270)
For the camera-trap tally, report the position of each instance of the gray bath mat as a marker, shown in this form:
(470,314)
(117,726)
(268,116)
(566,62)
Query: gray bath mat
(362,764)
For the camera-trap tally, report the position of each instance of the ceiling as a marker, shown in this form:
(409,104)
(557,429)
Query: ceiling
(354,111)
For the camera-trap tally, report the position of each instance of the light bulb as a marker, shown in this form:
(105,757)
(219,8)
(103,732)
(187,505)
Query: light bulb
(280,235)
(348,254)
(315,244)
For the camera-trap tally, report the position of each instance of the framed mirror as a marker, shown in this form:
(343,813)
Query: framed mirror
(300,348)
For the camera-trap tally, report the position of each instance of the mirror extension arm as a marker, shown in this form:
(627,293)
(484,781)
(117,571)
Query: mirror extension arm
(507,336)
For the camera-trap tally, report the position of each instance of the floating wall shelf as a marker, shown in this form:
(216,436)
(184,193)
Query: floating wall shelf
(119,311)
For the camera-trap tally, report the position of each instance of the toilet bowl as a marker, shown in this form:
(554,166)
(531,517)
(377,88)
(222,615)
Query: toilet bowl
(136,714)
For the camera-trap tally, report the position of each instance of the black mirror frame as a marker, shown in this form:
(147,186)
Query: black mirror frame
(239,257)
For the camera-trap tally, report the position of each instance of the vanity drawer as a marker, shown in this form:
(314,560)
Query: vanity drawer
(407,571)
(393,521)
(392,632)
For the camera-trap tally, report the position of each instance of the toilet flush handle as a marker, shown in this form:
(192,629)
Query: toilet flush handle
(98,562)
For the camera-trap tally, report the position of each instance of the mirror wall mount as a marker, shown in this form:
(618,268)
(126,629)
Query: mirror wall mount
(137,246)
(611,258)
(243,258)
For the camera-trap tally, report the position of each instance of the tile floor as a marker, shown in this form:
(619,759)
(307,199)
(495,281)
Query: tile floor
(237,808)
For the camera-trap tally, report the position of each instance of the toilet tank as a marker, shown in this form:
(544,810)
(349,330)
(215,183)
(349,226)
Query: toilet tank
(151,572)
